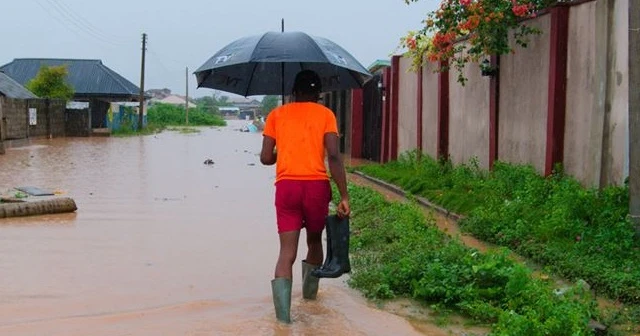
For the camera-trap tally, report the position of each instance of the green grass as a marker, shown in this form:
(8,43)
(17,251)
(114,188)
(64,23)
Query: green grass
(397,252)
(162,116)
(184,130)
(577,233)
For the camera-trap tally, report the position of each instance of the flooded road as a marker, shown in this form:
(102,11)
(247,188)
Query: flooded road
(161,244)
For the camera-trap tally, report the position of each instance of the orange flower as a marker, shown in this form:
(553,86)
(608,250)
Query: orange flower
(411,43)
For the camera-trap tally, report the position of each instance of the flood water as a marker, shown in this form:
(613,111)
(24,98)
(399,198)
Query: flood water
(161,244)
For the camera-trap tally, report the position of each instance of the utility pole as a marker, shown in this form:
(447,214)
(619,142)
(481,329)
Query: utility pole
(634,113)
(186,102)
(141,108)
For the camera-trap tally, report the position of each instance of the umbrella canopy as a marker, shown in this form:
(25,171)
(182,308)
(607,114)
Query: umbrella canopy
(267,65)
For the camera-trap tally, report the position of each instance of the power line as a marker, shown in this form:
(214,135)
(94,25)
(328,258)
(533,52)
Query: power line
(65,19)
(70,19)
(86,22)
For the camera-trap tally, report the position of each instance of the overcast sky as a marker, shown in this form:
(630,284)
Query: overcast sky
(186,33)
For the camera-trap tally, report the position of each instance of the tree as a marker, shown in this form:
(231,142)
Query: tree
(51,83)
(269,103)
(208,104)
(223,101)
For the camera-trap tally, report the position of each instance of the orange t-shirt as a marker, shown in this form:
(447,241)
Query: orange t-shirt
(299,130)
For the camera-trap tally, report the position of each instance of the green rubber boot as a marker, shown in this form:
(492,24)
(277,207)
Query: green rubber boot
(309,282)
(281,290)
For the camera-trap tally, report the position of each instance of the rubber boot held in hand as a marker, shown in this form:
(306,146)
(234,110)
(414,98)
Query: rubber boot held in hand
(327,260)
(281,290)
(309,282)
(338,230)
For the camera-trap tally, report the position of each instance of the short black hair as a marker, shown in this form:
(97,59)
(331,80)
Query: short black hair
(307,82)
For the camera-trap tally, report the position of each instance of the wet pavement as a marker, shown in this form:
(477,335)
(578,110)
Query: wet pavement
(161,244)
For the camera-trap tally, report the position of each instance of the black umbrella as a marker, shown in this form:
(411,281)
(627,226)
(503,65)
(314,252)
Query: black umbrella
(267,65)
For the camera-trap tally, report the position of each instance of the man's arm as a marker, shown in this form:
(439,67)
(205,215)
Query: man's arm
(267,156)
(336,167)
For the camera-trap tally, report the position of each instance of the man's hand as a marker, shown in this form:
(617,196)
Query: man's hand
(344,210)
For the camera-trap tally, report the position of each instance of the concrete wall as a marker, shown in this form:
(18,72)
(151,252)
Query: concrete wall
(14,118)
(2,148)
(616,149)
(585,114)
(430,111)
(524,100)
(408,108)
(469,117)
(77,123)
(596,132)
(49,116)
(50,119)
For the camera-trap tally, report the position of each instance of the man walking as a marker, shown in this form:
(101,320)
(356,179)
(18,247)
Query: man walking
(302,132)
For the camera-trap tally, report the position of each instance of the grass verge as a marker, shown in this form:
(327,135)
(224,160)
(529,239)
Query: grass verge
(575,232)
(397,252)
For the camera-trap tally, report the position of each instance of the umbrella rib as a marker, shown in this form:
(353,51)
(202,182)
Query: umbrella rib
(317,47)
(354,77)
(253,72)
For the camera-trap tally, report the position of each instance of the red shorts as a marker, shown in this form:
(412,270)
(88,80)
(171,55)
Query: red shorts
(302,204)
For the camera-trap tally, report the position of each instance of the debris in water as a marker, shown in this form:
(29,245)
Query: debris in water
(251,164)
(209,162)
(166,199)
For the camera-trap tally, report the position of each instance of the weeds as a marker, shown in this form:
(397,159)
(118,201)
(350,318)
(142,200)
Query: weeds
(396,251)
(161,116)
(577,233)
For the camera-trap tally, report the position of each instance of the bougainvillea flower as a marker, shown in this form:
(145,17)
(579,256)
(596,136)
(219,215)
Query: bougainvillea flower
(520,10)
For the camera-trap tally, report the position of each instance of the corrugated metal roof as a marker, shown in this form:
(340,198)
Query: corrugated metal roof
(12,89)
(88,77)
(379,64)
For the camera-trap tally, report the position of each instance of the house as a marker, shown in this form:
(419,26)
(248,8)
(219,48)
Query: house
(158,93)
(11,89)
(96,86)
(23,115)
(174,100)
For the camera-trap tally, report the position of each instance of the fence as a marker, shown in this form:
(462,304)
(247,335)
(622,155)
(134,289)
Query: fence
(21,119)
(563,100)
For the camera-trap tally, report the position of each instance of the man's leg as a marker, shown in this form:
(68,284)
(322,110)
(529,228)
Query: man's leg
(288,253)
(317,195)
(314,244)
(289,213)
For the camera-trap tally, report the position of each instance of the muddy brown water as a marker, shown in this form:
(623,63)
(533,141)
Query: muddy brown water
(161,244)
